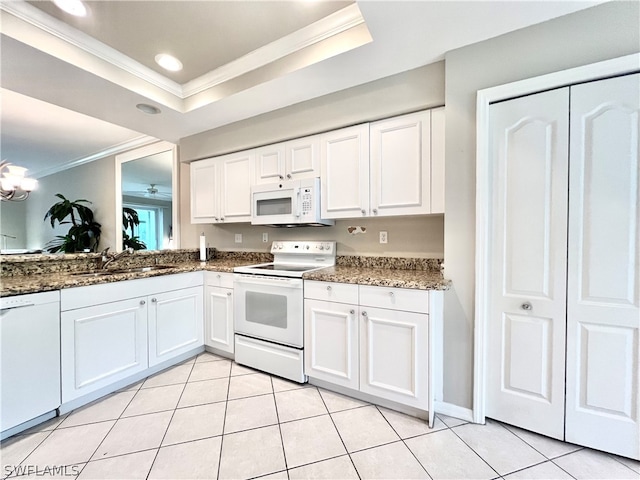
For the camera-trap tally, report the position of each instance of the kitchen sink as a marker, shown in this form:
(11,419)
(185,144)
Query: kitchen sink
(102,273)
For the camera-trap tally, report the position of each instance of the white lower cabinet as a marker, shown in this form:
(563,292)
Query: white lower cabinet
(113,331)
(219,311)
(101,345)
(376,340)
(175,323)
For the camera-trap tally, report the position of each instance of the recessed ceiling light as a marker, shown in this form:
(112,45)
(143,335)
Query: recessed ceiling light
(168,62)
(149,109)
(74,7)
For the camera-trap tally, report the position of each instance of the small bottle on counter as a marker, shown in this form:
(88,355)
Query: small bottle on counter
(203,248)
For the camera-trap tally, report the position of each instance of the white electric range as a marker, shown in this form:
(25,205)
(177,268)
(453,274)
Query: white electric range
(268,307)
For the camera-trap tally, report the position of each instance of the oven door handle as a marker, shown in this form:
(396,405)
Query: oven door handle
(244,279)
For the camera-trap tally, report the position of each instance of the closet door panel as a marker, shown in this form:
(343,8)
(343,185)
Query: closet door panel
(603,309)
(526,330)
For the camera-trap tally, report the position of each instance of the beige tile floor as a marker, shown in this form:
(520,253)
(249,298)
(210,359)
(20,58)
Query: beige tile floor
(210,418)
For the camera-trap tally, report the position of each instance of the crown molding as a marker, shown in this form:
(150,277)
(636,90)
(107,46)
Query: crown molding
(332,25)
(113,150)
(346,19)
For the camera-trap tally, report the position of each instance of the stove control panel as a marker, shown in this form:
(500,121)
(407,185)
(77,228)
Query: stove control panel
(308,248)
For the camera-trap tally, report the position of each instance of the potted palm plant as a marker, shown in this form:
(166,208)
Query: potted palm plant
(84,232)
(130,220)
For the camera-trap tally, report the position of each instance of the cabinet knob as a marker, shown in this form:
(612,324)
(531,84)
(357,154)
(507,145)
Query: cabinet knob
(222,219)
(142,302)
(218,276)
(364,314)
(280,177)
(228,294)
(328,288)
(526,306)
(375,211)
(391,294)
(153,300)
(288,175)
(363,211)
(215,218)
(352,311)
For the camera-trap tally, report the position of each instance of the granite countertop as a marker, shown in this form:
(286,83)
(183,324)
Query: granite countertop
(387,277)
(356,272)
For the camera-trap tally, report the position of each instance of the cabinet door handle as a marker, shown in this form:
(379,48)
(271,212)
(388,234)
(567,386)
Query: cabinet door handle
(391,294)
(280,177)
(153,300)
(218,276)
(363,211)
(288,175)
(328,288)
(364,314)
(142,302)
(352,311)
(526,306)
(228,294)
(222,219)
(375,211)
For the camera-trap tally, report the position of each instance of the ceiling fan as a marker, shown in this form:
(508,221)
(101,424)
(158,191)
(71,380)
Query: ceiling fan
(150,192)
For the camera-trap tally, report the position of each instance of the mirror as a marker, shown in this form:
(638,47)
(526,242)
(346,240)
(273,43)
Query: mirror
(146,181)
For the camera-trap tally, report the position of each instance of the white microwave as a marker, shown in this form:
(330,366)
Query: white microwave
(292,203)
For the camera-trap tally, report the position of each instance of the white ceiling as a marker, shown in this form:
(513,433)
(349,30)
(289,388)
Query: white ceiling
(300,55)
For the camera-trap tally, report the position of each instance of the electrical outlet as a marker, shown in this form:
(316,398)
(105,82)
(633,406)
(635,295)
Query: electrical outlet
(238,238)
(383,237)
(265,237)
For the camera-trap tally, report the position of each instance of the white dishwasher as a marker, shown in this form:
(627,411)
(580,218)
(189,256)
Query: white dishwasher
(29,358)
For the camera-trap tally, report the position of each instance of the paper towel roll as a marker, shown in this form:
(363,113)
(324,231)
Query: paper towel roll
(203,248)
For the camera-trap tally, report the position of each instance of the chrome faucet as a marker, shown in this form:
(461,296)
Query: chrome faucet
(106,258)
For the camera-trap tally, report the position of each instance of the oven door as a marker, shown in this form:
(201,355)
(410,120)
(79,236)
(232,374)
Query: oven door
(269,308)
(275,206)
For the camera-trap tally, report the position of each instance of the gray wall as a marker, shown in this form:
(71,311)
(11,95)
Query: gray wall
(92,181)
(599,33)
(12,222)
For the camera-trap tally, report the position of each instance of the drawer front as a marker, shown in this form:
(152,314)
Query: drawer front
(331,292)
(219,279)
(406,299)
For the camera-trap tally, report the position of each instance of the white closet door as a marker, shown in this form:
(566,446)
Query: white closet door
(603,314)
(526,325)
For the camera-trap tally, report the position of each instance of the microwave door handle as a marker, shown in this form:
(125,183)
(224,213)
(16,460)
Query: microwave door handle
(298,203)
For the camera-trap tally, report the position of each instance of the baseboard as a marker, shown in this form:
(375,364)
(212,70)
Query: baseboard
(451,410)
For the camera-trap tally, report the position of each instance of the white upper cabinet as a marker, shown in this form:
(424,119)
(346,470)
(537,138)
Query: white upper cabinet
(205,176)
(344,164)
(391,167)
(292,160)
(221,188)
(400,165)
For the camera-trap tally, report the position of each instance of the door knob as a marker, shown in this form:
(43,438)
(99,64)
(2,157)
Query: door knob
(526,306)
(142,302)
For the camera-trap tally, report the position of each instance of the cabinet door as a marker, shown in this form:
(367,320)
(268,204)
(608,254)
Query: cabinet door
(101,345)
(400,165)
(205,193)
(394,357)
(175,323)
(344,160)
(270,163)
(331,342)
(219,318)
(603,293)
(527,309)
(303,158)
(237,177)
(437,160)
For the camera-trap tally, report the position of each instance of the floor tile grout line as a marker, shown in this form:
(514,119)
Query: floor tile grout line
(473,450)
(403,442)
(184,386)
(275,403)
(224,422)
(520,438)
(340,436)
(33,450)
(614,456)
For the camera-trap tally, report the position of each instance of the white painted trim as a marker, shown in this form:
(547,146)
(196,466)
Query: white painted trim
(338,22)
(451,410)
(595,71)
(334,24)
(146,151)
(113,150)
